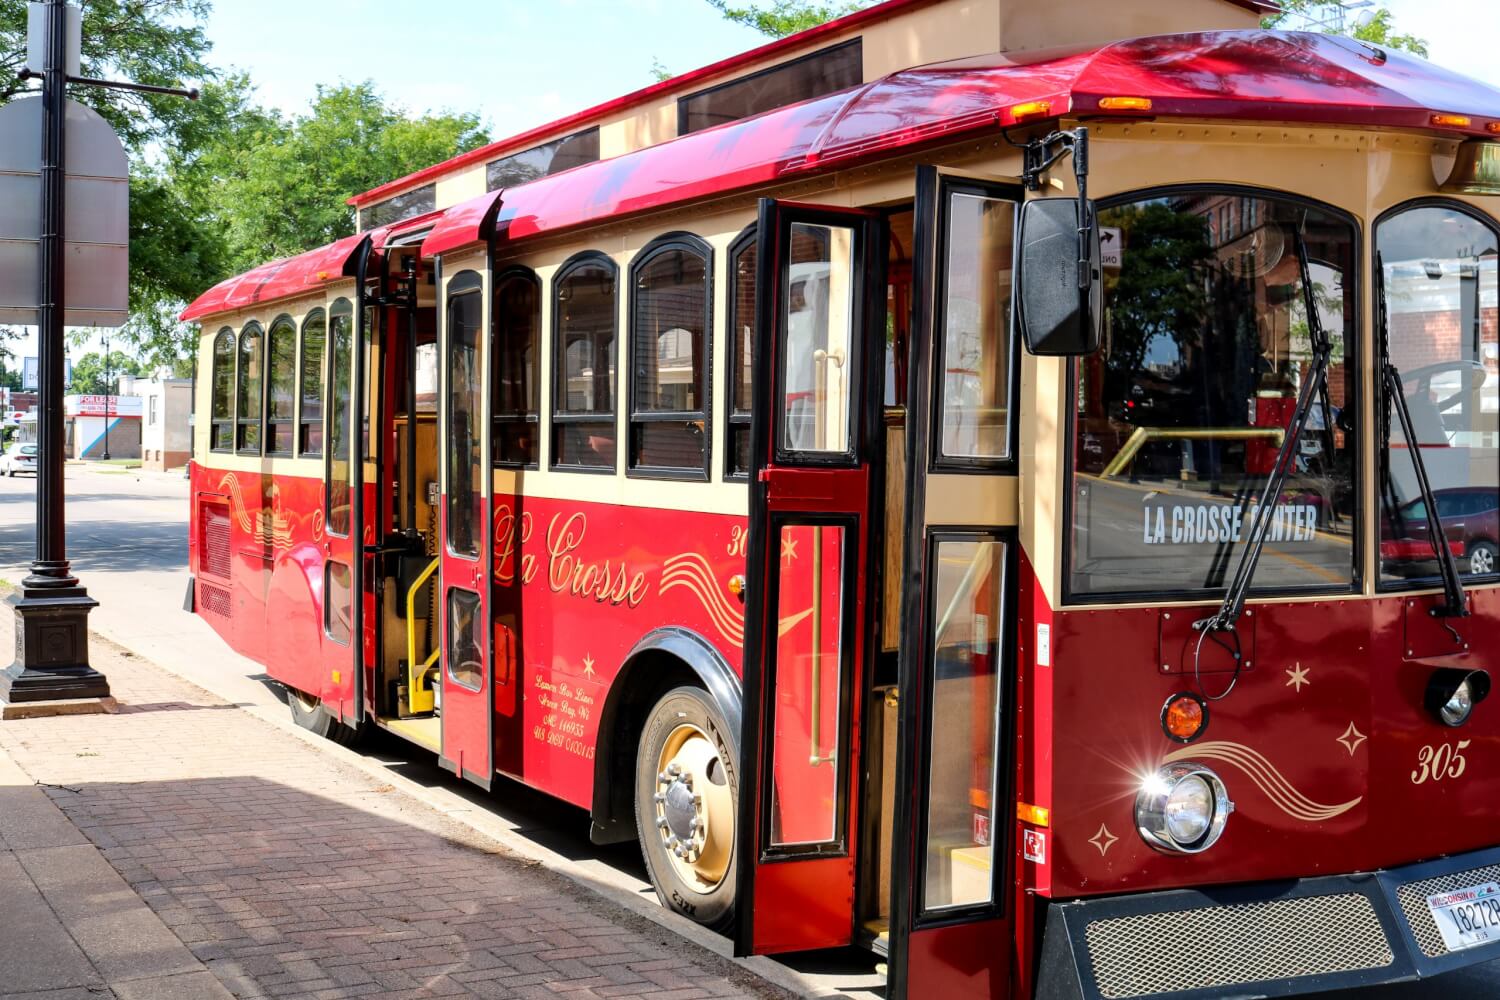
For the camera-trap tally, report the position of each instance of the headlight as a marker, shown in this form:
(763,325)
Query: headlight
(1456,709)
(1182,809)
(1452,693)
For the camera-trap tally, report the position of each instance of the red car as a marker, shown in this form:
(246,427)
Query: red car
(1470,516)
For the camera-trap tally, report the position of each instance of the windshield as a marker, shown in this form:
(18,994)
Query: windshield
(28,449)
(1440,297)
(1180,416)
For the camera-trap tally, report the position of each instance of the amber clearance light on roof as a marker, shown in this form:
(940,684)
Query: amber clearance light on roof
(1452,121)
(1030,109)
(1494,127)
(1125,103)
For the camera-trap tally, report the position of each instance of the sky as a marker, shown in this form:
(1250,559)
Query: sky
(521,63)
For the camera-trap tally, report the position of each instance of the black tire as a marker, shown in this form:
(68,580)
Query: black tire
(681,709)
(309,713)
(1483,558)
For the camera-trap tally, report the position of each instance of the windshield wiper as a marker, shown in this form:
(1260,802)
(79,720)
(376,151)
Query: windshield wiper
(1454,605)
(1314,388)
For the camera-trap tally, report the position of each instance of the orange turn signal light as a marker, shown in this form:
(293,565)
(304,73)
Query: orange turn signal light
(1452,121)
(1030,109)
(1184,717)
(1035,815)
(1494,127)
(1125,103)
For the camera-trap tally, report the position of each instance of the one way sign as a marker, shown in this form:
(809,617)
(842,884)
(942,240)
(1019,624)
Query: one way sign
(1109,247)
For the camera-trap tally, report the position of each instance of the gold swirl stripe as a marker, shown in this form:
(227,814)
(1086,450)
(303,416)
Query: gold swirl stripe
(231,482)
(691,571)
(1282,793)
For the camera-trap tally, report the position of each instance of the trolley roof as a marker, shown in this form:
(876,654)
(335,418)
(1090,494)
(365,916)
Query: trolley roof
(1240,75)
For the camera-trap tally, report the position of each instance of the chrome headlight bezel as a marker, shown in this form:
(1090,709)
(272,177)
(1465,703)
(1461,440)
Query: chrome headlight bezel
(1156,792)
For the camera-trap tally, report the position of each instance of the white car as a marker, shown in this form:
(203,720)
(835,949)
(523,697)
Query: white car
(19,458)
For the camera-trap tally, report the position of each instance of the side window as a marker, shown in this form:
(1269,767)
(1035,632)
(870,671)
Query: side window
(340,460)
(583,362)
(975,351)
(465,364)
(1439,282)
(742,264)
(221,405)
(250,398)
(670,331)
(310,391)
(281,397)
(517,318)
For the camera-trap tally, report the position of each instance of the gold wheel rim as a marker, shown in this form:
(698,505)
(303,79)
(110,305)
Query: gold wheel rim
(694,814)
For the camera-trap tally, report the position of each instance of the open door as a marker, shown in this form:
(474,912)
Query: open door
(341,530)
(952,908)
(464,687)
(808,623)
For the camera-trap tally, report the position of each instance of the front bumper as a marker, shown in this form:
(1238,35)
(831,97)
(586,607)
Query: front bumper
(1260,940)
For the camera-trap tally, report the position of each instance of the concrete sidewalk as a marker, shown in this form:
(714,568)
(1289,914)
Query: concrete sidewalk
(184,848)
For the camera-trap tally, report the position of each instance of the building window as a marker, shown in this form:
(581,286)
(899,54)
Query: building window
(406,205)
(465,379)
(151,409)
(250,397)
(742,264)
(670,334)
(221,397)
(813,75)
(314,336)
(1443,336)
(542,161)
(1180,418)
(517,318)
(583,393)
(281,395)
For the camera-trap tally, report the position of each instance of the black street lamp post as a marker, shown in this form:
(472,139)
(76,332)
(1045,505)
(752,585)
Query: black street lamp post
(108,394)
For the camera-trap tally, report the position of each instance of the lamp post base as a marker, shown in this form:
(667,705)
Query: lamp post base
(52,647)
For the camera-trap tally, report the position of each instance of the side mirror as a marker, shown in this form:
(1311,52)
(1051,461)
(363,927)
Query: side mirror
(1059,311)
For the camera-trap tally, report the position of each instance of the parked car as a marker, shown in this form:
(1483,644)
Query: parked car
(1470,516)
(19,458)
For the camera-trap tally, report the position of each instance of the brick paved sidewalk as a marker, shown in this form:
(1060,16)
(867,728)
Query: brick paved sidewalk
(289,874)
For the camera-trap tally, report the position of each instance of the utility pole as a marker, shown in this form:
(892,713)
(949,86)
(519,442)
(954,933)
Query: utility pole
(109,390)
(52,653)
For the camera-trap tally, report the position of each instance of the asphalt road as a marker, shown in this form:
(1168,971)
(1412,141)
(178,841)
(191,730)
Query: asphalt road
(127,537)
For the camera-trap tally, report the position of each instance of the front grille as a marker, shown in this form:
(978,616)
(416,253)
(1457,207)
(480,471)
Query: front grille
(1232,945)
(215,600)
(215,554)
(1413,897)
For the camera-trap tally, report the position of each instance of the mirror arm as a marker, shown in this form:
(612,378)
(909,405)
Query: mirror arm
(1040,155)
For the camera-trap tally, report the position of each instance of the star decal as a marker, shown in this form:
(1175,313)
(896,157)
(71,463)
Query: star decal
(788,548)
(1351,739)
(588,665)
(1298,675)
(1103,840)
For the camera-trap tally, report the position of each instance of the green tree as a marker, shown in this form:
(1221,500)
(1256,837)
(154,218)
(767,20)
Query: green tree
(91,377)
(1377,28)
(787,17)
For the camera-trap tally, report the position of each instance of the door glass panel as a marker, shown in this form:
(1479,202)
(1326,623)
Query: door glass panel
(808,683)
(338,608)
(976,368)
(341,345)
(465,472)
(817,327)
(465,657)
(963,717)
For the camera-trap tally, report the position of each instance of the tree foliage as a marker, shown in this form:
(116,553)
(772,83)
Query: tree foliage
(780,18)
(1377,29)
(91,376)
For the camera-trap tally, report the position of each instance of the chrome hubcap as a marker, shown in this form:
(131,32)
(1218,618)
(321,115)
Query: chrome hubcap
(1481,562)
(694,808)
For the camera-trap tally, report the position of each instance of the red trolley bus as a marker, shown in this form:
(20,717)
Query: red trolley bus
(1031,513)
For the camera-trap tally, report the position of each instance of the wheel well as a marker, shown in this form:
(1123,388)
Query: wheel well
(666,659)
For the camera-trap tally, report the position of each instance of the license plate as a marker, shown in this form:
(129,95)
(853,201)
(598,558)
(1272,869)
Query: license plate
(1467,917)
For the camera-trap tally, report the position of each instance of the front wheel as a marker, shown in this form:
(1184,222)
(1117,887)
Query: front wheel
(309,713)
(1483,557)
(686,795)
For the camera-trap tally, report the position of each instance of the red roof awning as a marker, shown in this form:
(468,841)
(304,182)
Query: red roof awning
(1241,75)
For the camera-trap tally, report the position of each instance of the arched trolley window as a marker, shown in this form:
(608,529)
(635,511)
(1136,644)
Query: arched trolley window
(281,395)
(671,330)
(310,387)
(516,316)
(583,364)
(221,399)
(742,264)
(250,396)
(340,470)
